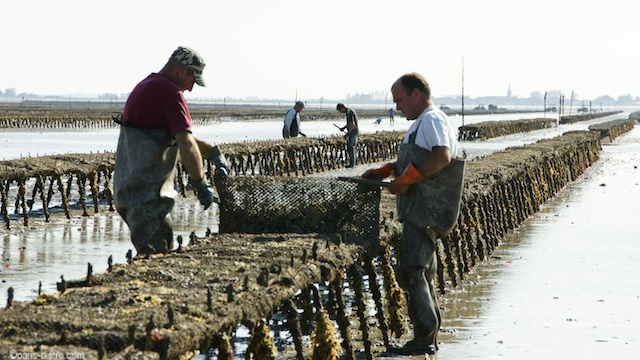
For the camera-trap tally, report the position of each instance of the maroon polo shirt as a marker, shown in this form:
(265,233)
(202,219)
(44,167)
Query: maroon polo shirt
(157,103)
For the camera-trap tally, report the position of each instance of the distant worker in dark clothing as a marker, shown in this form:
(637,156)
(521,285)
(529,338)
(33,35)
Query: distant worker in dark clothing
(156,130)
(352,132)
(291,126)
(391,113)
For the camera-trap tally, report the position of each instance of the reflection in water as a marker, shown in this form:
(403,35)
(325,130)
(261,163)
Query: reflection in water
(42,252)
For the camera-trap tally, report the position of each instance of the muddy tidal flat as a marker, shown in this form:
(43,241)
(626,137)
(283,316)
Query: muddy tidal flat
(561,287)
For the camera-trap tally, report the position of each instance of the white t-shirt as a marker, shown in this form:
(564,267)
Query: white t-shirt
(292,114)
(434,129)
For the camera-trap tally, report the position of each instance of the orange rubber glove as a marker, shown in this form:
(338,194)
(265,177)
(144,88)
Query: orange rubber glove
(385,171)
(411,175)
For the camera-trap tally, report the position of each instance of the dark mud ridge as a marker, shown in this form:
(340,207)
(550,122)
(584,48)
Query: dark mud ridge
(569,119)
(35,115)
(100,116)
(491,129)
(175,305)
(614,128)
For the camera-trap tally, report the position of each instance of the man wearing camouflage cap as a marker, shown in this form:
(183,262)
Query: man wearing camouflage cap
(156,129)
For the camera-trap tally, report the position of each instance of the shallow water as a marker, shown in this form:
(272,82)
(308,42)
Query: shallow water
(16,144)
(563,286)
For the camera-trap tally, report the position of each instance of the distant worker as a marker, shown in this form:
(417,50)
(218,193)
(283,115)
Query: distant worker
(156,130)
(391,113)
(352,132)
(291,126)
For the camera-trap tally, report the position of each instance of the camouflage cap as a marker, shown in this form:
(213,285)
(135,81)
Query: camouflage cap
(193,60)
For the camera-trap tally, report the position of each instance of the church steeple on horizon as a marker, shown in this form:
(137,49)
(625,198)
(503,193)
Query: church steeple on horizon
(509,91)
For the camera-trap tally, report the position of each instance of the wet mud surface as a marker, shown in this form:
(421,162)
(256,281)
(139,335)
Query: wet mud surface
(180,293)
(563,285)
(490,315)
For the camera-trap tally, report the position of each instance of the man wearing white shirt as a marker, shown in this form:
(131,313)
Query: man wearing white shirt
(429,147)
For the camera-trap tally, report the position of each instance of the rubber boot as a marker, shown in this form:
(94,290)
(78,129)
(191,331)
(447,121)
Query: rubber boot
(152,237)
(423,313)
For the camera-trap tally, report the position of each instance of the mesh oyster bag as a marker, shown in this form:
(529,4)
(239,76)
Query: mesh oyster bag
(265,204)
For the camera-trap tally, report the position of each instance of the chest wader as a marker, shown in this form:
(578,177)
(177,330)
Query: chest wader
(352,137)
(433,203)
(352,141)
(144,189)
(428,211)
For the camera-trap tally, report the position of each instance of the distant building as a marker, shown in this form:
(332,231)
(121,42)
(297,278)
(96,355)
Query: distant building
(509,91)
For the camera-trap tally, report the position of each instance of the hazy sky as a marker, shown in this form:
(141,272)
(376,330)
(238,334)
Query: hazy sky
(273,48)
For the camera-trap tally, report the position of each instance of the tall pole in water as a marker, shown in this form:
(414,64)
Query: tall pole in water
(462,132)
